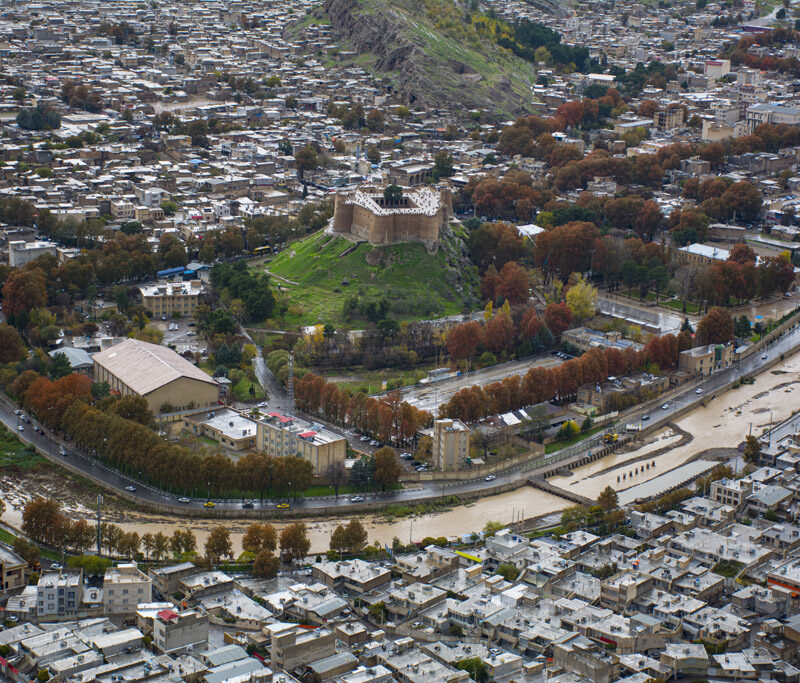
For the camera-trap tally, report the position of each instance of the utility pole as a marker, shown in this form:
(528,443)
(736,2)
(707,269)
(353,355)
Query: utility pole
(291,384)
(99,503)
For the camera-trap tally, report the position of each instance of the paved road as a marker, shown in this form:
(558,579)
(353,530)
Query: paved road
(430,396)
(50,444)
(654,318)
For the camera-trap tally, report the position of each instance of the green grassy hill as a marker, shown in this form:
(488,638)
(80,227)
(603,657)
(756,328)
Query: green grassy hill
(322,271)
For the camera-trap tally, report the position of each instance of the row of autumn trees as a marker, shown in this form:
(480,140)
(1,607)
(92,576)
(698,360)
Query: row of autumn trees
(387,419)
(560,383)
(116,430)
(510,329)
(44,522)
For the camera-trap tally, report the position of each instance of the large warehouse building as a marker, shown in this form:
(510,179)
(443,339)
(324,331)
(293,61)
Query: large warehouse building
(156,373)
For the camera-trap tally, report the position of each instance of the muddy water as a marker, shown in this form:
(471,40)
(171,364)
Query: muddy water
(722,423)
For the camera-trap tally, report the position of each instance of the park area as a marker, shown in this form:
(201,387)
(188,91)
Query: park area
(326,279)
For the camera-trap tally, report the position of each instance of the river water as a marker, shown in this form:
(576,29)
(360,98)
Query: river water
(722,423)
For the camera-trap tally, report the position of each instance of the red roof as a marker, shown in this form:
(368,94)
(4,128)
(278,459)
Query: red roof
(167,615)
(284,419)
(305,435)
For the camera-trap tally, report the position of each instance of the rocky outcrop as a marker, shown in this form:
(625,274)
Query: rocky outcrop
(398,42)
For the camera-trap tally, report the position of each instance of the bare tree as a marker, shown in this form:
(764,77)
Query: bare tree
(336,475)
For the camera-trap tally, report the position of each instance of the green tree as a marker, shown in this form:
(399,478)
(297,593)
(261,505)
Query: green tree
(266,565)
(387,469)
(508,571)
(752,449)
(475,667)
(393,194)
(608,499)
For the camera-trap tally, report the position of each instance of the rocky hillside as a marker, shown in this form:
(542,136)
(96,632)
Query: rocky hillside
(431,54)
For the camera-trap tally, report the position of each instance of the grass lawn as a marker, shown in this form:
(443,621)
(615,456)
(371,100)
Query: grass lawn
(417,285)
(242,391)
(727,568)
(15,455)
(372,380)
(666,301)
(558,445)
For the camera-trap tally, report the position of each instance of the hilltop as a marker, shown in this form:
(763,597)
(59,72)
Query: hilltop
(430,52)
(329,279)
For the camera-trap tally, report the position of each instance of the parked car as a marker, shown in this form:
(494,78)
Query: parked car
(763,356)
(20,428)
(62,451)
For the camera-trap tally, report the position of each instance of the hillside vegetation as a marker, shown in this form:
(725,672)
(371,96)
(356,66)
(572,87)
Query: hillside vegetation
(432,52)
(329,280)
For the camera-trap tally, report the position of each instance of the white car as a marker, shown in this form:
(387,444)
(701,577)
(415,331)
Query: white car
(763,356)
(491,477)
(184,500)
(130,488)
(21,428)
(698,391)
(357,499)
(665,406)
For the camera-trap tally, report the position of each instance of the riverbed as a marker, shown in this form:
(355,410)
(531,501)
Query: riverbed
(722,423)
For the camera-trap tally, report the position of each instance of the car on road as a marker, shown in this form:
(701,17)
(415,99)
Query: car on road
(130,488)
(363,438)
(247,505)
(645,417)
(490,477)
(698,391)
(184,500)
(406,456)
(374,443)
(282,506)
(665,406)
(422,468)
(209,504)
(17,412)
(763,356)
(357,499)
(62,451)
(20,428)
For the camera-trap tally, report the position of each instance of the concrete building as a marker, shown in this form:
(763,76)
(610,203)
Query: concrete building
(166,579)
(156,373)
(79,360)
(12,570)
(355,576)
(450,444)
(705,360)
(702,254)
(174,631)
(124,587)
(172,299)
(228,427)
(771,113)
(298,646)
(21,252)
(280,435)
(58,594)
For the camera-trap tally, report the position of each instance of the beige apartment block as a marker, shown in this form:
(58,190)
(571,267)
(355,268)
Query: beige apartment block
(172,298)
(450,444)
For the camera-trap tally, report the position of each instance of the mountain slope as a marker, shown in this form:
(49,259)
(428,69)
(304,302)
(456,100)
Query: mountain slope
(431,54)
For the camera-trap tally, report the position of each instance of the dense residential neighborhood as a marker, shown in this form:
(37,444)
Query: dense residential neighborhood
(399,340)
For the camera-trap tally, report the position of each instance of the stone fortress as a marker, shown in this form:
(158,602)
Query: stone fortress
(420,216)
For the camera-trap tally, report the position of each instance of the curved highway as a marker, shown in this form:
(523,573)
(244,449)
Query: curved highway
(142,493)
